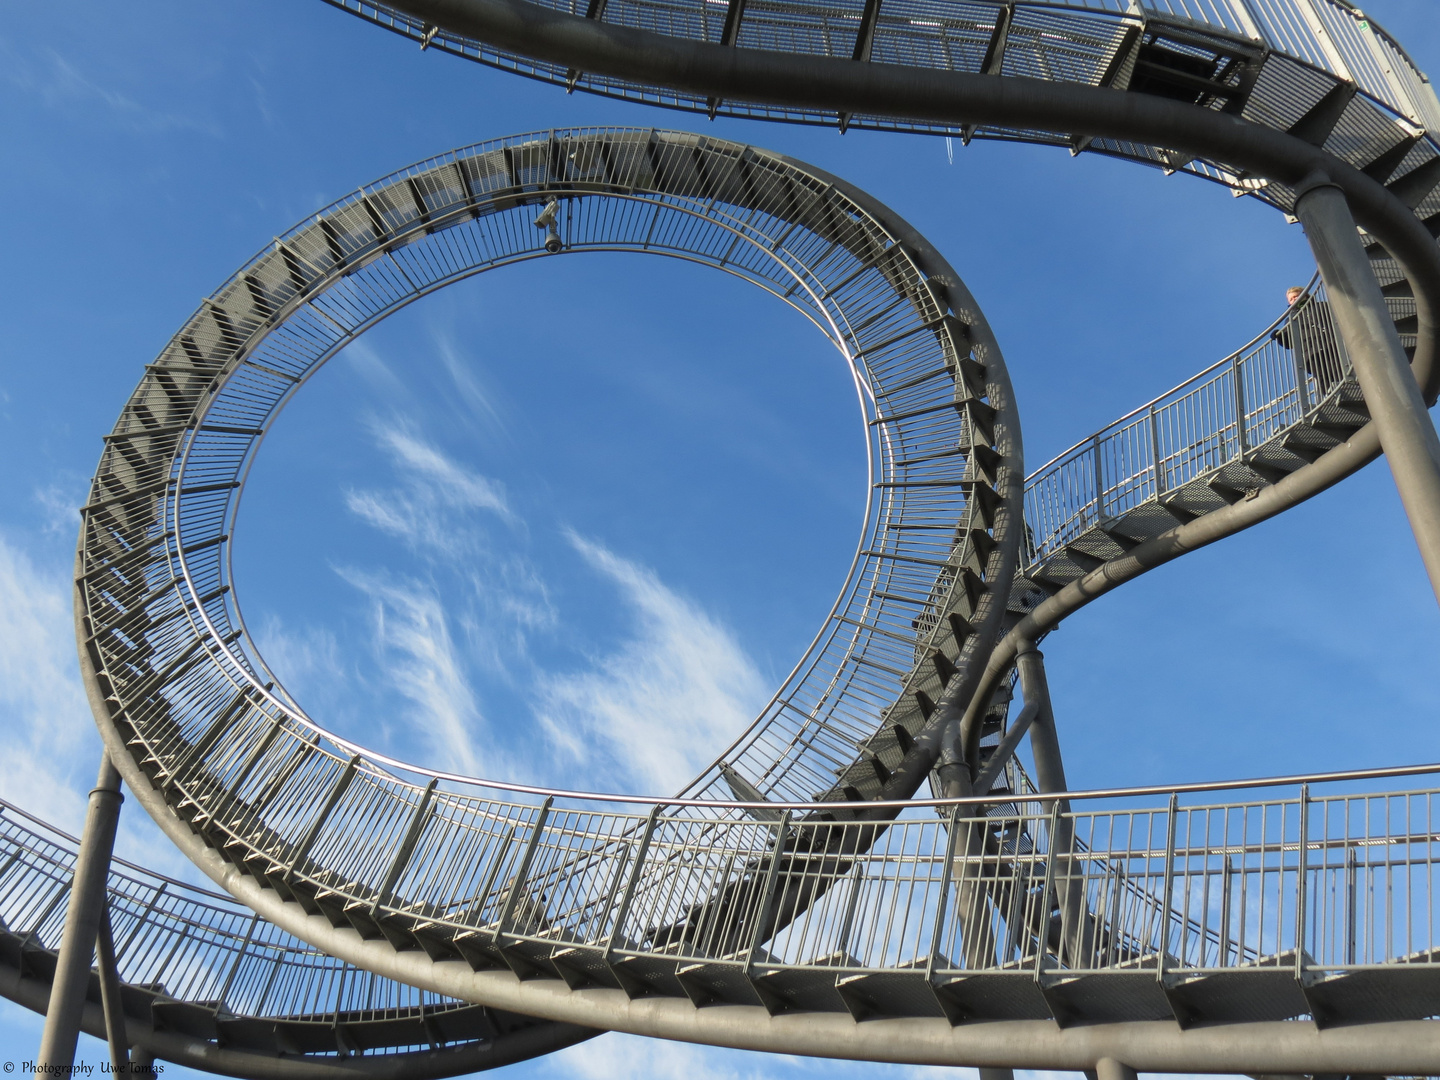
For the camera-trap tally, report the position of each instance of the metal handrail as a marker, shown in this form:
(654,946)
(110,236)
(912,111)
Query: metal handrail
(1212,420)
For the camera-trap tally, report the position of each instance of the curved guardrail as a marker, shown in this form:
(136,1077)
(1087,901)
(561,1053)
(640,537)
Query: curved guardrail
(209,984)
(1268,409)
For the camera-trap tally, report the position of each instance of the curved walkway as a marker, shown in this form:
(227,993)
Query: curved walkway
(208,984)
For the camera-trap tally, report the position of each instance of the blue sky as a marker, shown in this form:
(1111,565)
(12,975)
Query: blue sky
(573,521)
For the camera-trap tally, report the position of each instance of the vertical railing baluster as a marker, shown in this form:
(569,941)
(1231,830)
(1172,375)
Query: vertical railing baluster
(1350,872)
(847,923)
(418,819)
(517,883)
(1117,888)
(1429,872)
(762,910)
(1169,882)
(1099,480)
(1225,886)
(239,958)
(1239,387)
(1155,454)
(942,903)
(1301,870)
(1043,922)
(1297,346)
(624,907)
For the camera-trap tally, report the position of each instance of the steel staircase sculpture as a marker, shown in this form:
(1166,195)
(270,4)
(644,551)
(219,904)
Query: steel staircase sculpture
(795,896)
(776,904)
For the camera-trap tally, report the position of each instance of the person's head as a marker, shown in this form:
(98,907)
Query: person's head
(1293,293)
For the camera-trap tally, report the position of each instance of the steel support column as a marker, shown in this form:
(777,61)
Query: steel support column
(953,777)
(1110,1069)
(1406,432)
(1044,744)
(82,922)
(111,1000)
(1076,940)
(142,1063)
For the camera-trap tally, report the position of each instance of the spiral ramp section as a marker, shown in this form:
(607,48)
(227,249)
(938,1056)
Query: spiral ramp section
(794,897)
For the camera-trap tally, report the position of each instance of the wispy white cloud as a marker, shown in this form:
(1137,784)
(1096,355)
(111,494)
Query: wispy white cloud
(663,701)
(434,509)
(372,367)
(413,643)
(57,82)
(468,384)
(307,659)
(52,747)
(59,502)
(676,669)
(43,710)
(452,484)
(622,1057)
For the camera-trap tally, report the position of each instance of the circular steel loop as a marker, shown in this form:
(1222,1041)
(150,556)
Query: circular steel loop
(930,380)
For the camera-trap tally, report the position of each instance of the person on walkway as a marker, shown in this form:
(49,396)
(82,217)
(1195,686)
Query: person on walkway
(1309,332)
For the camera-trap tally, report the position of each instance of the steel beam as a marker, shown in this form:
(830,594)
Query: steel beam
(1289,491)
(1006,750)
(142,1063)
(149,1043)
(1397,407)
(82,923)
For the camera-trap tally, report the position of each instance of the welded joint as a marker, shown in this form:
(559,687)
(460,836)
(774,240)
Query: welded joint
(1314,181)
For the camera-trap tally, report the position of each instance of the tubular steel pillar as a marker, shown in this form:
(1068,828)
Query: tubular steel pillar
(1110,1069)
(972,932)
(142,1063)
(111,1001)
(1406,432)
(1044,744)
(82,922)
(1077,939)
